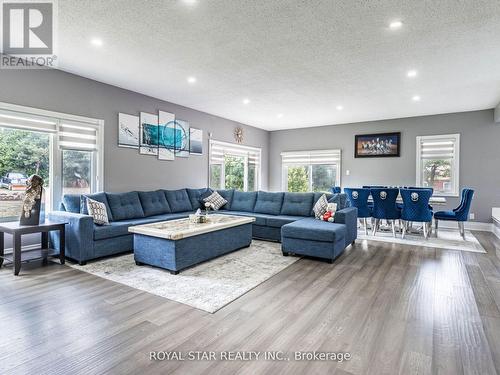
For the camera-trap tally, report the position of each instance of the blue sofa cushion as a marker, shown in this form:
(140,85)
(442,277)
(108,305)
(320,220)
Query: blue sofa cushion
(154,203)
(71,203)
(178,200)
(125,205)
(268,203)
(243,201)
(314,230)
(279,221)
(227,195)
(196,197)
(120,228)
(100,197)
(297,204)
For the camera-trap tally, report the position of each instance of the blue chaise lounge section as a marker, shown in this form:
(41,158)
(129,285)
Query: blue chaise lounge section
(272,211)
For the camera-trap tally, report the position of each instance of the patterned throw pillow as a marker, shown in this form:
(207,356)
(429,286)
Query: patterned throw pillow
(98,212)
(216,200)
(320,207)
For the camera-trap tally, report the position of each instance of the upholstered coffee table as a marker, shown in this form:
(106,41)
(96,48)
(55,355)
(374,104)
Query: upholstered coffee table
(177,244)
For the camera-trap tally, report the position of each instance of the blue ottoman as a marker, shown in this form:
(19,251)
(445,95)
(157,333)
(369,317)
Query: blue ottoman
(314,238)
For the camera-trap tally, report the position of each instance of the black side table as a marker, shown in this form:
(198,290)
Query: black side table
(17,257)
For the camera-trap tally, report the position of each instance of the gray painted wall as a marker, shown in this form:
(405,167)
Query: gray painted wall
(125,169)
(479,153)
(497,113)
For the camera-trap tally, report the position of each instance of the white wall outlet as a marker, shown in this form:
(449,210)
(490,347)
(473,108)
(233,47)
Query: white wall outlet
(348,172)
(472,216)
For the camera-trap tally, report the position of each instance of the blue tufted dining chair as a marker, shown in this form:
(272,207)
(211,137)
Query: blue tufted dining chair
(416,208)
(336,189)
(384,207)
(459,214)
(358,198)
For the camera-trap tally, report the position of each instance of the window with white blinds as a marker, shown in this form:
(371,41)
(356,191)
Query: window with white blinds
(77,136)
(438,163)
(233,166)
(314,170)
(73,145)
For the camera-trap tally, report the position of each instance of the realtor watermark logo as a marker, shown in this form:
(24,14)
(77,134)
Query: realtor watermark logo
(28,35)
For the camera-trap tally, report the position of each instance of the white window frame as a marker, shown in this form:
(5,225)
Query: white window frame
(237,148)
(55,172)
(455,164)
(309,165)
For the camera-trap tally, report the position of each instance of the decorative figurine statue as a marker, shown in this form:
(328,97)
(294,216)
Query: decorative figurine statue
(32,201)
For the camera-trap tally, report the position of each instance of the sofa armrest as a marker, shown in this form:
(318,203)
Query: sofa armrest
(349,217)
(79,234)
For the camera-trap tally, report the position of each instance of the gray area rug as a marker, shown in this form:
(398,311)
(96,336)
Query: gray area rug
(445,238)
(208,286)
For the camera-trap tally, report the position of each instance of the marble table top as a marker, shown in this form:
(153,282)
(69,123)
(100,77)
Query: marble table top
(182,228)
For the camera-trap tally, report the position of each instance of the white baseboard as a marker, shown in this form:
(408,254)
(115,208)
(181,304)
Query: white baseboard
(469,225)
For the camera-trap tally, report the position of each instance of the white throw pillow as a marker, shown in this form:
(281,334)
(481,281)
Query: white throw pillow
(98,212)
(215,200)
(320,207)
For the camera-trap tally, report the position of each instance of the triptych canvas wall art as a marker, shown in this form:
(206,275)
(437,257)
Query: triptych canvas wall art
(160,135)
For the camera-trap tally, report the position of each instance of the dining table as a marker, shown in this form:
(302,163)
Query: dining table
(433,201)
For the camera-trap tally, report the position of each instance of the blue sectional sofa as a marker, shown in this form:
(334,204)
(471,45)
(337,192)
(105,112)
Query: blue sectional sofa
(86,241)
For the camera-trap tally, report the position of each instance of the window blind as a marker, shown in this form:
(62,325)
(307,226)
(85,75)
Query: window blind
(24,121)
(438,147)
(311,157)
(74,135)
(218,151)
(77,136)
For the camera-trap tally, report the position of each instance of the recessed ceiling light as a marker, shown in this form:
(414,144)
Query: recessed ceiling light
(339,108)
(394,25)
(411,73)
(96,42)
(191,80)
(190,2)
(279,115)
(246,101)
(416,98)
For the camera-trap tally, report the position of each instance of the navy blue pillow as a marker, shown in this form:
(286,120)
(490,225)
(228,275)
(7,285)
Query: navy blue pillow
(196,197)
(243,201)
(99,197)
(268,203)
(227,195)
(178,200)
(125,205)
(340,199)
(154,203)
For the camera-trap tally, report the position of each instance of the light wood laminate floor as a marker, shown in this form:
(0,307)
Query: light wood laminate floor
(397,309)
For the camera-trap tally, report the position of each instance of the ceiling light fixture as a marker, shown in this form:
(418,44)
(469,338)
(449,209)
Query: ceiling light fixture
(279,115)
(416,98)
(411,73)
(190,2)
(97,42)
(191,80)
(339,108)
(246,101)
(395,25)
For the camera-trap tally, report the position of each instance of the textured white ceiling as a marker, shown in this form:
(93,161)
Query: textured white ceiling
(298,58)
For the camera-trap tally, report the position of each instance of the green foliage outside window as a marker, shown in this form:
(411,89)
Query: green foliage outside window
(24,152)
(298,179)
(235,172)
